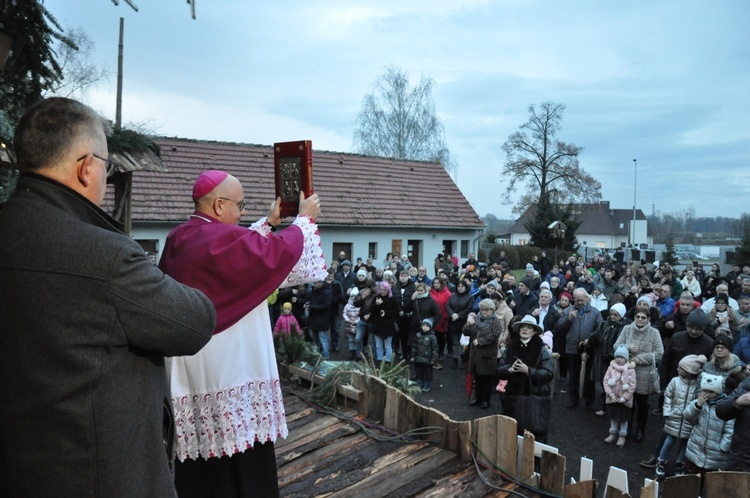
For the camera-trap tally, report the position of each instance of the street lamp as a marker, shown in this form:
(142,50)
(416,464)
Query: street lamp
(635,189)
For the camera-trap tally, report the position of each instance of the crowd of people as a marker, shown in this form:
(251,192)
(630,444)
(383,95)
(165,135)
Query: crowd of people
(618,335)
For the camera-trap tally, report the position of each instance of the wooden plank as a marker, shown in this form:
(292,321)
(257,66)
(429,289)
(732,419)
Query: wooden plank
(451,434)
(486,439)
(724,484)
(300,438)
(301,465)
(506,450)
(376,399)
(617,479)
(650,489)
(552,473)
(612,492)
(585,489)
(391,413)
(526,468)
(686,486)
(359,382)
(398,474)
(464,438)
(297,415)
(587,470)
(437,420)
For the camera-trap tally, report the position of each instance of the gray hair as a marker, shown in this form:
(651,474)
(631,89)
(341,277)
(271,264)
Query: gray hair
(487,304)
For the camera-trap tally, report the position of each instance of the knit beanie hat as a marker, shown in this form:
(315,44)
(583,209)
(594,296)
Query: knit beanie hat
(714,383)
(362,272)
(493,283)
(619,308)
(721,298)
(353,292)
(692,363)
(547,339)
(697,318)
(566,294)
(544,285)
(724,340)
(622,352)
(529,267)
(286,306)
(644,299)
(428,321)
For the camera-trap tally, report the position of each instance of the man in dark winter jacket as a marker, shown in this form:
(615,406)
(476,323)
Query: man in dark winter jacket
(737,407)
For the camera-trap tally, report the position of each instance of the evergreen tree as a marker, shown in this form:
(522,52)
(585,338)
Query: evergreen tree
(670,255)
(547,213)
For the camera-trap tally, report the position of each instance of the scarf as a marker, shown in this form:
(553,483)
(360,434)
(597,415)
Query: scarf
(484,323)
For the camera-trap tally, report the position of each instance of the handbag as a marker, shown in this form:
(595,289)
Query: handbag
(532,413)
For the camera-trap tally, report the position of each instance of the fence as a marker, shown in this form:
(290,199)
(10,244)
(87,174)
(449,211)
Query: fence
(496,444)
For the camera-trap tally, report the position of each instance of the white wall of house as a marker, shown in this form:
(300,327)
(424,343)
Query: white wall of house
(599,241)
(429,241)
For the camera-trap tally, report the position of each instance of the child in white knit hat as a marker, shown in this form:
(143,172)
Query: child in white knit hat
(682,390)
(619,386)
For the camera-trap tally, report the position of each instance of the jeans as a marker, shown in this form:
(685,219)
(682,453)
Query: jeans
(667,447)
(361,339)
(383,343)
(323,339)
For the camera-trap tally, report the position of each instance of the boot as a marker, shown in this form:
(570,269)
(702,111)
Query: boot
(454,364)
(426,387)
(612,436)
(679,469)
(352,355)
(437,366)
(661,469)
(621,439)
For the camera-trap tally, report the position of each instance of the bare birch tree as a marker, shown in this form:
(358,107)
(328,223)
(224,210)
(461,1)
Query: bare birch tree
(400,121)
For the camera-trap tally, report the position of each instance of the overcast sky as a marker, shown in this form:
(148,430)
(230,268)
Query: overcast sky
(663,82)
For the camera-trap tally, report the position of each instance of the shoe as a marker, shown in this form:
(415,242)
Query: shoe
(661,469)
(638,436)
(621,441)
(599,413)
(426,387)
(454,364)
(474,402)
(612,437)
(656,412)
(679,469)
(484,405)
(649,463)
(437,366)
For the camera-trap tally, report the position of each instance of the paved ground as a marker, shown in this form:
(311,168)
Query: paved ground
(576,433)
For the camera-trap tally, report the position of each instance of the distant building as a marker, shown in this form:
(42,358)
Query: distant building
(370,206)
(601,227)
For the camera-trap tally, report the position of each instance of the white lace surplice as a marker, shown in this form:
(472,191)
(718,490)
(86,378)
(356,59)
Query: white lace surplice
(228,395)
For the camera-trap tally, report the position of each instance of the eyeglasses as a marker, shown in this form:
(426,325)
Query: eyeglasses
(110,164)
(240,204)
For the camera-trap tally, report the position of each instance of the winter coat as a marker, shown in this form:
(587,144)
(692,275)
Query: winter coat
(524,305)
(385,325)
(742,350)
(86,323)
(678,395)
(350,315)
(284,325)
(441,297)
(711,436)
(320,308)
(460,304)
(678,347)
(541,368)
(693,286)
(731,365)
(422,308)
(403,294)
(483,357)
(579,328)
(739,452)
(425,348)
(602,341)
(650,350)
(619,383)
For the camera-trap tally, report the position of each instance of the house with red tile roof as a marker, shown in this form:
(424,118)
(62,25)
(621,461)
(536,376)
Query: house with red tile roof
(602,227)
(370,205)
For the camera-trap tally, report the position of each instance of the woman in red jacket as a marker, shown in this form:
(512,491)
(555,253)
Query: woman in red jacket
(441,294)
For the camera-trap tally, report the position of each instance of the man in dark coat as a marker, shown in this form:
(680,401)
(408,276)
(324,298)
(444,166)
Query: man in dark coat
(524,301)
(737,407)
(87,320)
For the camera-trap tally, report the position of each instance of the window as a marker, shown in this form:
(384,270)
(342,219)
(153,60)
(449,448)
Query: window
(372,250)
(464,248)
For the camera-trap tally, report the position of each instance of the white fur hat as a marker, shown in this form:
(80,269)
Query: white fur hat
(713,383)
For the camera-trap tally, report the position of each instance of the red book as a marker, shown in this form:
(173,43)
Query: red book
(292,163)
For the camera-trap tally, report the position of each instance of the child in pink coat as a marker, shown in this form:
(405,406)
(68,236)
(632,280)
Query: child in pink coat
(619,386)
(286,323)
